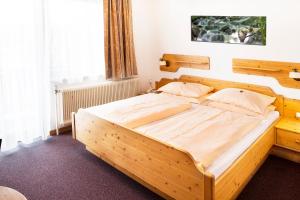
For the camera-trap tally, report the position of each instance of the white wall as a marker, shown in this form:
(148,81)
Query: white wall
(164,27)
(146,39)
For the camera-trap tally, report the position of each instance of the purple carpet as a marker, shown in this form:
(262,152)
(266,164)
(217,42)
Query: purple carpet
(61,168)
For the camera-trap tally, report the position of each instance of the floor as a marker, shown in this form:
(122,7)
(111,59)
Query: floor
(60,168)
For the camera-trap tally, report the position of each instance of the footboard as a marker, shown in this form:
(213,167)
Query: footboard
(168,171)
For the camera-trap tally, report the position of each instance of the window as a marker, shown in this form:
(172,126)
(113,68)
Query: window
(43,41)
(75,38)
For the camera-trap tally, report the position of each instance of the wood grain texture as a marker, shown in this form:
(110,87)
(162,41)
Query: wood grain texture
(128,173)
(288,139)
(291,106)
(166,170)
(288,134)
(277,70)
(176,61)
(221,84)
(231,183)
(286,154)
(289,124)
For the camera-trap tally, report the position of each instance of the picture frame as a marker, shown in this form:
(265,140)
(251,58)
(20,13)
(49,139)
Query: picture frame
(247,30)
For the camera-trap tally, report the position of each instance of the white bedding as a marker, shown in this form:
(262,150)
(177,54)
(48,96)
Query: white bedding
(224,162)
(220,164)
(141,110)
(166,131)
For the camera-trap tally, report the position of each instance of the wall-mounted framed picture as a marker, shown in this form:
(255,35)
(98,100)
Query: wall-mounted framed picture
(249,30)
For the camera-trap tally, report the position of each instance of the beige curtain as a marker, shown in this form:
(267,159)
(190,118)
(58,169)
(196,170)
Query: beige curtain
(119,46)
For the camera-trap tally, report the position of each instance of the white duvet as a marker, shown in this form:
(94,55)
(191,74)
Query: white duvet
(207,133)
(214,136)
(141,110)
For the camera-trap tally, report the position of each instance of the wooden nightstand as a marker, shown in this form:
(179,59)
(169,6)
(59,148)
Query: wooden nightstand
(288,139)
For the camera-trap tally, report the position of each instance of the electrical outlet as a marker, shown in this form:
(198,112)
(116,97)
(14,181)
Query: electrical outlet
(298,115)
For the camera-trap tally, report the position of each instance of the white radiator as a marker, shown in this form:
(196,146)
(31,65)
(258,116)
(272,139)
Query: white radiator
(70,99)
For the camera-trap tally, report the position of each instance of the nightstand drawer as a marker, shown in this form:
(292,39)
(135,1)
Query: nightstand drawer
(288,139)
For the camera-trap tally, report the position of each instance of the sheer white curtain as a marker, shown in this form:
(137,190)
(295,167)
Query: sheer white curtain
(43,41)
(24,80)
(75,39)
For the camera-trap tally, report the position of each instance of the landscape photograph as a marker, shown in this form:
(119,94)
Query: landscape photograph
(249,30)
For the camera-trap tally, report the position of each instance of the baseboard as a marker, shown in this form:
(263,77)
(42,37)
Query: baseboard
(286,154)
(62,130)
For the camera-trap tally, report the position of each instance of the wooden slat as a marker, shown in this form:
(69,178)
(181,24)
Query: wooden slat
(176,61)
(277,70)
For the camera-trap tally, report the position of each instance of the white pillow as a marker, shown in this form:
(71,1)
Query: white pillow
(252,101)
(238,109)
(194,90)
(198,100)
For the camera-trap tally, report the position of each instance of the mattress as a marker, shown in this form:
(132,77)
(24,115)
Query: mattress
(167,131)
(141,110)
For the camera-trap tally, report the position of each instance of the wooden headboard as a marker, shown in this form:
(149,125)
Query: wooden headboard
(175,61)
(221,84)
(277,70)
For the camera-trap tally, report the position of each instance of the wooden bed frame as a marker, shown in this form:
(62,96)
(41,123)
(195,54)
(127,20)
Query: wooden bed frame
(168,171)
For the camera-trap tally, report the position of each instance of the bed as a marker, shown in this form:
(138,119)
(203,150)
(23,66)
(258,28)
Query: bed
(165,168)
